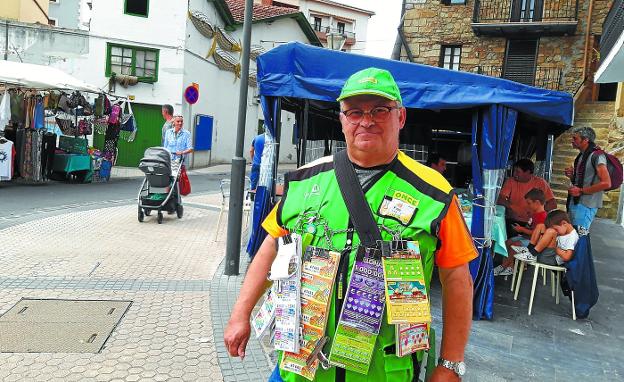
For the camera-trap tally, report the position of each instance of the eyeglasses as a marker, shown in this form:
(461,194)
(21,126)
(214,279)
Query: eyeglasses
(378,114)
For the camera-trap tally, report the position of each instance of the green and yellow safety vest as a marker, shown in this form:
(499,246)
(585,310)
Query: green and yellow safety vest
(313,204)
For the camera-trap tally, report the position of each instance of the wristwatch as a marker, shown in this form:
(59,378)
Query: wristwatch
(458,367)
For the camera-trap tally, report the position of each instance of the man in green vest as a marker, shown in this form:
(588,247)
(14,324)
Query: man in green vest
(372,116)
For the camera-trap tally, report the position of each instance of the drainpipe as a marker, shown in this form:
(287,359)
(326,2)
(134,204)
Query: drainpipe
(587,33)
(401,39)
(6,40)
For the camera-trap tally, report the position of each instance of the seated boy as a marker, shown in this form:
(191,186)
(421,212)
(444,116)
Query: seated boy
(555,244)
(535,199)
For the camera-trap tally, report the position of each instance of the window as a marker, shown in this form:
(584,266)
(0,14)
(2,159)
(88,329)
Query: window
(450,56)
(136,7)
(134,61)
(52,21)
(341,28)
(317,23)
(520,61)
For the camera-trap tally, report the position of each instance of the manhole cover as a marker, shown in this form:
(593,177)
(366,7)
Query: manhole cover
(59,326)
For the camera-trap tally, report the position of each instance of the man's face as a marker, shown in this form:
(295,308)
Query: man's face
(177,123)
(521,175)
(378,130)
(164,112)
(579,143)
(440,166)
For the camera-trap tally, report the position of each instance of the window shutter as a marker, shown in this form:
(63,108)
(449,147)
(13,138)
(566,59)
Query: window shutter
(520,61)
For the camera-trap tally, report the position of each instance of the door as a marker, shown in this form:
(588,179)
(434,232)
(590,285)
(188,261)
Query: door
(520,61)
(149,122)
(527,10)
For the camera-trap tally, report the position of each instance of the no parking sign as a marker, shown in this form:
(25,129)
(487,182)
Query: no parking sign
(191,94)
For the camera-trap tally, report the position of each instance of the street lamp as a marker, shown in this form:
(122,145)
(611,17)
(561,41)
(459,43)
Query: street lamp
(335,40)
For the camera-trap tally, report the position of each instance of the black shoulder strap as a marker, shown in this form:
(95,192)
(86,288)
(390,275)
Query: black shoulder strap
(360,213)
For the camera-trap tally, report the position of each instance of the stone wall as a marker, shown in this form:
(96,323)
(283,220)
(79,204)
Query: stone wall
(429,24)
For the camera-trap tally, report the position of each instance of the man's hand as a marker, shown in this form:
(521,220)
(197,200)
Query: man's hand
(575,191)
(518,228)
(568,172)
(236,336)
(442,374)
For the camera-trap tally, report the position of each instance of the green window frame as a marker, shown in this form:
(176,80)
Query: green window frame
(136,14)
(132,60)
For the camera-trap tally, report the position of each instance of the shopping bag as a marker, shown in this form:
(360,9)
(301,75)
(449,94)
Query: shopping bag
(185,183)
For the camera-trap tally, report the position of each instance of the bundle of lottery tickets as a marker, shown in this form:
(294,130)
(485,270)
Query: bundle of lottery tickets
(296,307)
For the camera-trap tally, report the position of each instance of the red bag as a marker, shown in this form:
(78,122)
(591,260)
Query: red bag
(185,183)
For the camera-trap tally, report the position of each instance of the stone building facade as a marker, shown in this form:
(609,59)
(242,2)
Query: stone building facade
(431,25)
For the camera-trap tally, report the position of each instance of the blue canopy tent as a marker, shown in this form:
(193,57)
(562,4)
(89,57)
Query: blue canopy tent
(300,74)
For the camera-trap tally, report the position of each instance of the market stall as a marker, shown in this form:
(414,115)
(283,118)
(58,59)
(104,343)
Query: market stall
(46,118)
(487,117)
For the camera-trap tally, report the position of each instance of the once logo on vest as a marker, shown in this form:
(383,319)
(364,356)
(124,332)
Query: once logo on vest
(400,206)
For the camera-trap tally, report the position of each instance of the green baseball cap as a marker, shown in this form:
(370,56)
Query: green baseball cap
(373,81)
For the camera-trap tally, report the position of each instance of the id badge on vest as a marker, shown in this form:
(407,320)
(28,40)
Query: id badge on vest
(399,206)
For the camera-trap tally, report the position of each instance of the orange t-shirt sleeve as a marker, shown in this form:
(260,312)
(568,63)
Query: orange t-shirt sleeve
(456,245)
(271,225)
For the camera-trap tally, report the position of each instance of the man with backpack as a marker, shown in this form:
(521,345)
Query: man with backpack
(591,176)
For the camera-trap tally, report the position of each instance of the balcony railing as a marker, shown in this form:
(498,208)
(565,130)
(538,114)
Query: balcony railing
(510,11)
(547,78)
(543,17)
(612,28)
(326,30)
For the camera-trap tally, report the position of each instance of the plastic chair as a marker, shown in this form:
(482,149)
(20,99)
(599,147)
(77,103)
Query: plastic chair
(224,185)
(555,275)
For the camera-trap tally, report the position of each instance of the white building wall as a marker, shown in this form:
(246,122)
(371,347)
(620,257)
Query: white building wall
(182,61)
(110,25)
(219,89)
(359,26)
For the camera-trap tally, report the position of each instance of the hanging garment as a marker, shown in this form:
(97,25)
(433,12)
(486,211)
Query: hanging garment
(7,157)
(17,108)
(5,110)
(38,116)
(110,141)
(37,147)
(20,141)
(47,154)
(26,168)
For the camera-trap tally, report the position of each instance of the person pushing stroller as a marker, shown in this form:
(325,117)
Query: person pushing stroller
(163,167)
(178,140)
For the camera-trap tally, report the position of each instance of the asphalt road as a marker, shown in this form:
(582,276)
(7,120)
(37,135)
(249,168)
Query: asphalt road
(18,198)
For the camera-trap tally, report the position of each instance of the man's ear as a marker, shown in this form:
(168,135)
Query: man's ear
(402,116)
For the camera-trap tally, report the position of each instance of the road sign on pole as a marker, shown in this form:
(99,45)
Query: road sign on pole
(191,94)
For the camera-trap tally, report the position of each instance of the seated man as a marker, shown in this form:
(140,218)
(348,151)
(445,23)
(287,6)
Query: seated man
(512,194)
(535,199)
(554,242)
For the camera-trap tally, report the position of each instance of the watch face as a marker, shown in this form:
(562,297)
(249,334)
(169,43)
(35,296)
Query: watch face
(461,368)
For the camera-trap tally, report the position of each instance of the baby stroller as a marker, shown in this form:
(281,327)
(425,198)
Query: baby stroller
(160,190)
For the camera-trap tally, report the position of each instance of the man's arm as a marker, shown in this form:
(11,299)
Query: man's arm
(503,196)
(238,328)
(456,315)
(603,184)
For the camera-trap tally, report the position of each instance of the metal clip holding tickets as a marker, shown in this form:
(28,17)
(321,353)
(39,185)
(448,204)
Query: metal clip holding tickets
(318,353)
(399,245)
(385,247)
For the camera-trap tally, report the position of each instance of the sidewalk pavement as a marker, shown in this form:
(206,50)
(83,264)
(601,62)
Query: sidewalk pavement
(173,331)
